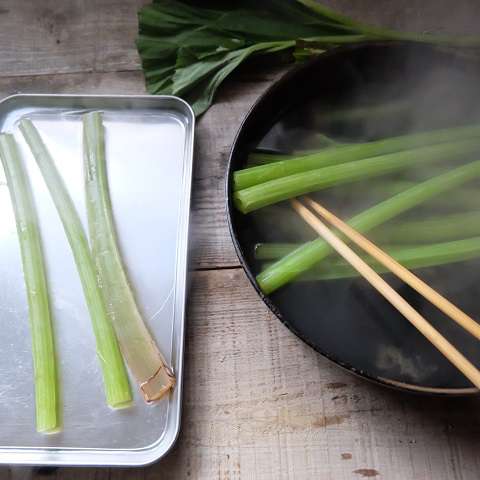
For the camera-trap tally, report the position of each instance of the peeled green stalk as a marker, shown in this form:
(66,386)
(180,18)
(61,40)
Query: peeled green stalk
(445,227)
(291,165)
(411,257)
(117,387)
(274,191)
(311,253)
(43,347)
(465,198)
(273,251)
(138,347)
(262,157)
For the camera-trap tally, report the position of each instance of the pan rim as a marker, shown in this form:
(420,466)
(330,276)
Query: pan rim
(257,106)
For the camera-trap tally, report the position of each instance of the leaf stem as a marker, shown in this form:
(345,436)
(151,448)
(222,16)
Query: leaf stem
(138,346)
(43,348)
(117,387)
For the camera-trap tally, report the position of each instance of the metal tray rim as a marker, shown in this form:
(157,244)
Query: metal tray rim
(101,457)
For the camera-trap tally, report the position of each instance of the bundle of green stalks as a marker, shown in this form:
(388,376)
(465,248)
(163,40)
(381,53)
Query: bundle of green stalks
(119,329)
(438,240)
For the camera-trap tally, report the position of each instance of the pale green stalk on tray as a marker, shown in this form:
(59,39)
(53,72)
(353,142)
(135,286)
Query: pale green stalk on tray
(310,254)
(249,177)
(138,347)
(115,378)
(411,257)
(43,347)
(273,191)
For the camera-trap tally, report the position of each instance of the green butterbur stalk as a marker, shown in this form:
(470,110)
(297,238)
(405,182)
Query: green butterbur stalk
(117,387)
(411,257)
(249,177)
(433,229)
(438,228)
(274,191)
(44,361)
(310,254)
(138,347)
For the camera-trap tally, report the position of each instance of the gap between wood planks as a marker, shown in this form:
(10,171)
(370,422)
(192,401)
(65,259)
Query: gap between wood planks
(221,267)
(70,72)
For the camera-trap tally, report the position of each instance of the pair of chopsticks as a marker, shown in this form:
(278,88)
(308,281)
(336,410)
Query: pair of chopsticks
(417,320)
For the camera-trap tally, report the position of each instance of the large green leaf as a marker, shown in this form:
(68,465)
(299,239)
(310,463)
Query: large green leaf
(188,50)
(204,100)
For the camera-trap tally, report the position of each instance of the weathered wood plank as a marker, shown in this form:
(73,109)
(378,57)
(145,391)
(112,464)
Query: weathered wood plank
(260,404)
(84,82)
(98,35)
(214,138)
(434,16)
(74,36)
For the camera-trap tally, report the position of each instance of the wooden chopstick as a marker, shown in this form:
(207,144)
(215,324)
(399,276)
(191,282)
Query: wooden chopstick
(457,315)
(419,322)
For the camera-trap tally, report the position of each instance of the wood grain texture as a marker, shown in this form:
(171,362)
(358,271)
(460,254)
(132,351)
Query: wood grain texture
(54,36)
(211,242)
(68,36)
(259,404)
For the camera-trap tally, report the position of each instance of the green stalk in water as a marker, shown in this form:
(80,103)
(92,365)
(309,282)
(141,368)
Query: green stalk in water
(462,199)
(291,165)
(274,191)
(263,157)
(305,257)
(138,347)
(43,348)
(115,378)
(435,229)
(411,257)
(441,228)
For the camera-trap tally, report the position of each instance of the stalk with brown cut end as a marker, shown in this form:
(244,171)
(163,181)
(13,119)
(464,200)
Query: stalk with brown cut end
(141,353)
(115,378)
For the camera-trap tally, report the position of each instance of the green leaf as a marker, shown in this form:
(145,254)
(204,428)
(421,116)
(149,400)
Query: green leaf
(204,45)
(203,102)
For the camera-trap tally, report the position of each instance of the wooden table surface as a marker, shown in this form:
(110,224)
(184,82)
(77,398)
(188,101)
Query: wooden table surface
(258,403)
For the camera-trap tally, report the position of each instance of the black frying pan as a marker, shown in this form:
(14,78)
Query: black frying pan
(346,320)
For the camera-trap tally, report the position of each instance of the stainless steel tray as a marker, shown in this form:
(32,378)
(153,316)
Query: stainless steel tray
(149,155)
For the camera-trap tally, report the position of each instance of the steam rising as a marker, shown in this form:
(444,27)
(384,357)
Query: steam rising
(367,97)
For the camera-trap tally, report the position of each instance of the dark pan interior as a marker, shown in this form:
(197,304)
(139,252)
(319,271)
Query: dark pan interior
(346,320)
